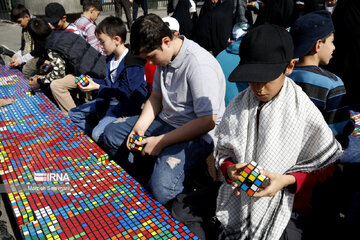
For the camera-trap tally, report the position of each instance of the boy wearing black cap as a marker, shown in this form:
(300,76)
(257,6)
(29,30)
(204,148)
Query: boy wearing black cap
(313,36)
(275,124)
(55,15)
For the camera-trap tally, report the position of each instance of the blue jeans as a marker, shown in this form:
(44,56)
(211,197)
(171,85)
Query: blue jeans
(169,170)
(78,116)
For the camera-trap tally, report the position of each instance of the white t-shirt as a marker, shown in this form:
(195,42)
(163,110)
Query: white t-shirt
(114,64)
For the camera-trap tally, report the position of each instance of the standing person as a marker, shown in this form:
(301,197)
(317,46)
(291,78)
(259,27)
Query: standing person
(86,22)
(213,29)
(330,5)
(186,103)
(135,6)
(124,90)
(182,15)
(30,51)
(346,61)
(126,4)
(259,125)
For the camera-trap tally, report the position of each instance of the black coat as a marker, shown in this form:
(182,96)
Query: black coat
(79,55)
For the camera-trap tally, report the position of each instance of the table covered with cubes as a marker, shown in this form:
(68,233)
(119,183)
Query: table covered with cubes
(60,184)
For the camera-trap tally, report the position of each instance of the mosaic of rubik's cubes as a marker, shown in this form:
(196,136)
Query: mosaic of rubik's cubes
(82,80)
(250,178)
(104,202)
(132,142)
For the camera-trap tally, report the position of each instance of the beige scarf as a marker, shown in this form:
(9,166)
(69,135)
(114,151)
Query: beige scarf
(292,136)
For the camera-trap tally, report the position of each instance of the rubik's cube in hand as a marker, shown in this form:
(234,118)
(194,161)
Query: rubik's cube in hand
(250,178)
(133,145)
(82,81)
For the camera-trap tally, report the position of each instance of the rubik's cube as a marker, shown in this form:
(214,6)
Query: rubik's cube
(250,178)
(12,63)
(82,81)
(132,143)
(36,77)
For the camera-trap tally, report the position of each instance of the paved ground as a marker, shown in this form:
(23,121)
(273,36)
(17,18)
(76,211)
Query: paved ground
(10,32)
(10,36)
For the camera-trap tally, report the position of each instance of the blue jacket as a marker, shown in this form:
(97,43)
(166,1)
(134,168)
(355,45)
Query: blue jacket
(229,59)
(327,91)
(129,88)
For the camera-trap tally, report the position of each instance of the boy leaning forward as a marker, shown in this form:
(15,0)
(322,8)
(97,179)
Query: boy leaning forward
(275,124)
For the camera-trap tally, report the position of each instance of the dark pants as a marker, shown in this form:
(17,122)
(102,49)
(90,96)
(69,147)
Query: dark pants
(143,4)
(119,4)
(197,210)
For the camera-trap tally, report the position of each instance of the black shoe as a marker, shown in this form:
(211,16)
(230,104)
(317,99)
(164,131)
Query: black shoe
(6,51)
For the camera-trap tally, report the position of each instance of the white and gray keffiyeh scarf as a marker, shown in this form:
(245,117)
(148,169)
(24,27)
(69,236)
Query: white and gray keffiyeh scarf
(292,136)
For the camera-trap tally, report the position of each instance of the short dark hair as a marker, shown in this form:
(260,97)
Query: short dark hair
(87,4)
(112,26)
(39,29)
(19,11)
(147,33)
(326,37)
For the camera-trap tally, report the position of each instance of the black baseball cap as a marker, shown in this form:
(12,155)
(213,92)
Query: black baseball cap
(309,28)
(54,12)
(264,52)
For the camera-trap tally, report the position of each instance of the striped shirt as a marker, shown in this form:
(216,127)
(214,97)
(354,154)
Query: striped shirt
(327,91)
(87,27)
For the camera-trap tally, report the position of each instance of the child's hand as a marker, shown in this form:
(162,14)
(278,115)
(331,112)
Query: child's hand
(233,172)
(33,81)
(13,62)
(277,182)
(153,145)
(92,85)
(6,101)
(138,132)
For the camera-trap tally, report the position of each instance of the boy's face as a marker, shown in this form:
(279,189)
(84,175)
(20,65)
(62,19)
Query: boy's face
(326,50)
(94,14)
(160,56)
(23,22)
(264,92)
(108,44)
(61,24)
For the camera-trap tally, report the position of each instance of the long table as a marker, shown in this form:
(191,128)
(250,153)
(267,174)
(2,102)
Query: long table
(61,185)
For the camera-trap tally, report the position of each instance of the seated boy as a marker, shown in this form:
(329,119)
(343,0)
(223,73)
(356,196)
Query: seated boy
(314,46)
(86,22)
(124,90)
(186,102)
(67,53)
(275,124)
(55,15)
(30,50)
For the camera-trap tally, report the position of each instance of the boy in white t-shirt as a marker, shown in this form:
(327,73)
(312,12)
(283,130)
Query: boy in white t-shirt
(124,90)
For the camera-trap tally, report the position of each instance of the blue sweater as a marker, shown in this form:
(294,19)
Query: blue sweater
(327,91)
(129,88)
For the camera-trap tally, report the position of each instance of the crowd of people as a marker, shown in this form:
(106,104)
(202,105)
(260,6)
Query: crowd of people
(242,81)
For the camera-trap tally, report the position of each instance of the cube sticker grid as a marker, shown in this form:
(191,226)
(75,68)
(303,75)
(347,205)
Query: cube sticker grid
(132,142)
(103,201)
(356,117)
(250,178)
(82,81)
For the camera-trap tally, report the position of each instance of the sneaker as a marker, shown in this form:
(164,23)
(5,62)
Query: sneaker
(6,51)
